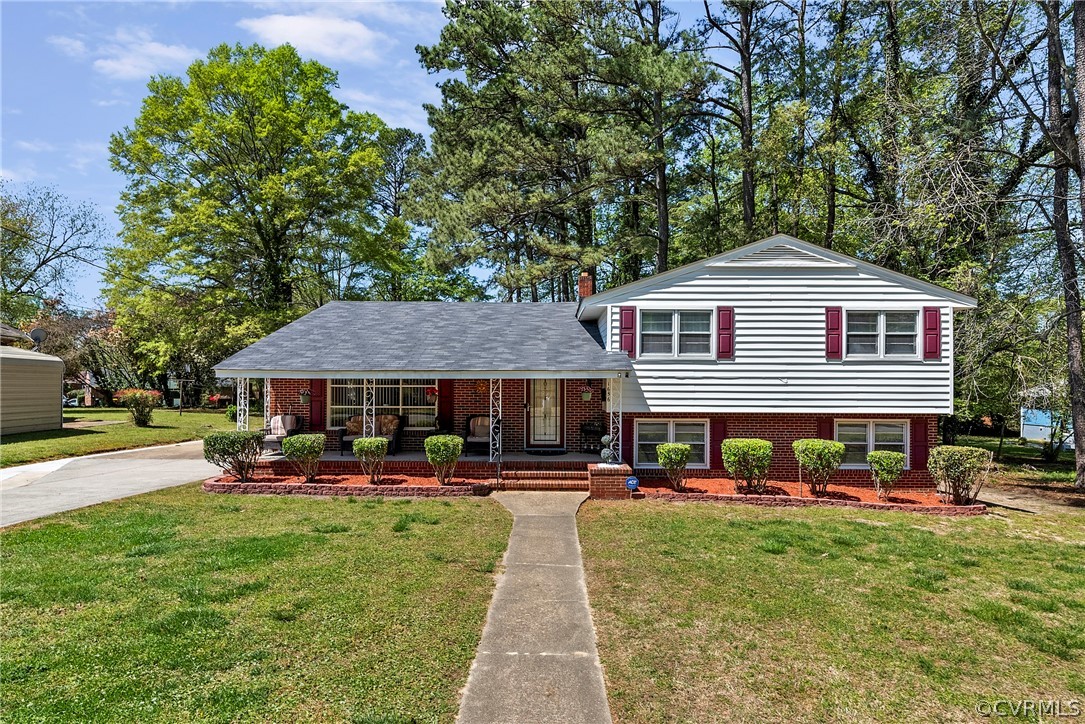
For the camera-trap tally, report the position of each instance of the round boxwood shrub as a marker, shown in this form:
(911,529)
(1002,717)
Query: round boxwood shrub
(443,451)
(959,472)
(886,467)
(304,451)
(748,459)
(673,458)
(370,452)
(820,459)
(140,404)
(235,451)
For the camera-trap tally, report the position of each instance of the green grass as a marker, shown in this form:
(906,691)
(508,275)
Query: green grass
(166,427)
(709,613)
(179,606)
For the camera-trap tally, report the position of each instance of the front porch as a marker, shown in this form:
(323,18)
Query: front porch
(543,422)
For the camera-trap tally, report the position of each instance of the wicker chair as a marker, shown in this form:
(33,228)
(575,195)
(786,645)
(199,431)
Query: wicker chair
(395,423)
(279,428)
(476,434)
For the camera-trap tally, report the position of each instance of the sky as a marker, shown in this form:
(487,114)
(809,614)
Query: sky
(72,74)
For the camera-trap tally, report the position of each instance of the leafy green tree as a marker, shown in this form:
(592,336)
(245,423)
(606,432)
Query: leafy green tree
(244,179)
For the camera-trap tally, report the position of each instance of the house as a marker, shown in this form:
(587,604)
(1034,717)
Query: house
(779,339)
(31,391)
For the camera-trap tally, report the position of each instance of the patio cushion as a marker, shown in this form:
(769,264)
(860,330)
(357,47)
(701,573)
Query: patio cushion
(281,424)
(354,426)
(388,424)
(479,429)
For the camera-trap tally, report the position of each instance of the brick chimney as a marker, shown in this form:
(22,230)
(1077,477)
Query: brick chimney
(585,285)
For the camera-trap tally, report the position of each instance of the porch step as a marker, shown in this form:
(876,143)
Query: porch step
(545,475)
(543,484)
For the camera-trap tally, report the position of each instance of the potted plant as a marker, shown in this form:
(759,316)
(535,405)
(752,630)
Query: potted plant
(305,397)
(585,392)
(609,456)
(431,395)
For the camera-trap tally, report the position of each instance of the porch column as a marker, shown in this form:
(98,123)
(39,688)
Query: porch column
(369,418)
(267,402)
(241,384)
(495,420)
(614,408)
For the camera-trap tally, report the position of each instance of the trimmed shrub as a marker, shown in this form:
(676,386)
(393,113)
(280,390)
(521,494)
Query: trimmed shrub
(748,459)
(820,459)
(443,451)
(231,413)
(673,458)
(235,451)
(607,451)
(959,472)
(370,451)
(886,467)
(140,404)
(304,451)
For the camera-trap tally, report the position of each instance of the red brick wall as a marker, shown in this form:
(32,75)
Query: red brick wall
(781,429)
(285,400)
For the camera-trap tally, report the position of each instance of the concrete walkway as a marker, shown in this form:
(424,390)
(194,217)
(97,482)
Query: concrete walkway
(32,491)
(537,660)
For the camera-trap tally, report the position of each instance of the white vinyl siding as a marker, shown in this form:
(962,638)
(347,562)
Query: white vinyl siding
(860,437)
(650,433)
(779,362)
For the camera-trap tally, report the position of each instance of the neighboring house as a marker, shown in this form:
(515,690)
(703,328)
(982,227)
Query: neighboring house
(31,391)
(779,339)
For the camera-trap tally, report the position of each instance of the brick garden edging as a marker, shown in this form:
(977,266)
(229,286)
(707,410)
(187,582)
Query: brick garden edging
(786,501)
(214,485)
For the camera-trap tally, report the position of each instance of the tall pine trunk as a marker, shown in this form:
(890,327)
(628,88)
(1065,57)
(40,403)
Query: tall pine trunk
(745,54)
(1068,268)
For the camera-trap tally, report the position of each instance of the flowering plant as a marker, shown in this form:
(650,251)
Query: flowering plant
(586,388)
(431,391)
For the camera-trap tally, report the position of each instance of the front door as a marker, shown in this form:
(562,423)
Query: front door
(545,413)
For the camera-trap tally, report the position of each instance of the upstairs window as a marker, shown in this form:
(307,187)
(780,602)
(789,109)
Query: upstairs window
(862,436)
(882,334)
(682,333)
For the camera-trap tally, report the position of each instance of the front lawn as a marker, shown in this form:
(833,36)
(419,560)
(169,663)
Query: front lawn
(179,605)
(718,613)
(1023,469)
(167,427)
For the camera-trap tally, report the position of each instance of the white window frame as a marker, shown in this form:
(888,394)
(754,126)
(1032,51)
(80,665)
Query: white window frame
(675,332)
(881,334)
(392,382)
(870,423)
(670,422)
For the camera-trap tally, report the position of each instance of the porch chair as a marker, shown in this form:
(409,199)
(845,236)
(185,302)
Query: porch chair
(386,426)
(476,435)
(279,428)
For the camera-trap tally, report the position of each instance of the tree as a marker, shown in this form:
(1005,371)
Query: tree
(44,237)
(244,179)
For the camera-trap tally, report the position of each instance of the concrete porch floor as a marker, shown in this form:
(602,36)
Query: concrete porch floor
(420,457)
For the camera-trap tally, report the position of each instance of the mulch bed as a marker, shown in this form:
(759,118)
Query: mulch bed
(786,494)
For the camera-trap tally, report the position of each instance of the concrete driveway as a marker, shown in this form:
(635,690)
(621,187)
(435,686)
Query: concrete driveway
(39,489)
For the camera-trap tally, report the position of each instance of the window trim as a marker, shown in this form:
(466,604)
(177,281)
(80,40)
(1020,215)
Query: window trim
(676,333)
(881,333)
(380,382)
(870,422)
(670,422)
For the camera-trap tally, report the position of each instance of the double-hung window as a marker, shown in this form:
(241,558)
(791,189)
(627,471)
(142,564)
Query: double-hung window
(882,334)
(862,436)
(682,332)
(690,432)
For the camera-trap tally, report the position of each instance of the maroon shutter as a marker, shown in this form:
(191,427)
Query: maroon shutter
(717,433)
(932,333)
(627,330)
(834,333)
(920,443)
(627,442)
(825,428)
(317,404)
(725,332)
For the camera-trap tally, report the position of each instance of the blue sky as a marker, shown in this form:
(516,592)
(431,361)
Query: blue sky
(71,74)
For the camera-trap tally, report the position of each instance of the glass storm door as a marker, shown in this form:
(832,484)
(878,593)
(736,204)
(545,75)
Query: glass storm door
(544,413)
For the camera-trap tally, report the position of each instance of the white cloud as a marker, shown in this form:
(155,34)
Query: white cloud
(35,146)
(83,154)
(323,35)
(107,102)
(400,112)
(72,47)
(404,12)
(133,54)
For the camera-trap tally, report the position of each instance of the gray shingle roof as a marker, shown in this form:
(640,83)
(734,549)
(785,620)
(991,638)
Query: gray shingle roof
(430,336)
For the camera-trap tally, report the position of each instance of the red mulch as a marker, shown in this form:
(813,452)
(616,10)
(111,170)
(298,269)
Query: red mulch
(724,486)
(346,479)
